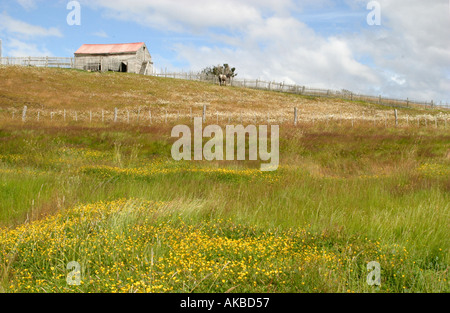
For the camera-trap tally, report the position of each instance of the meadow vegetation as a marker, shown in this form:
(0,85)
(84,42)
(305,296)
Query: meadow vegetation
(109,196)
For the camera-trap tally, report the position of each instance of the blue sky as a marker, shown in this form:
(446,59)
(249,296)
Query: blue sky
(321,43)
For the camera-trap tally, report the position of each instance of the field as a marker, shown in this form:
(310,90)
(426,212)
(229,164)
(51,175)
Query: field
(352,187)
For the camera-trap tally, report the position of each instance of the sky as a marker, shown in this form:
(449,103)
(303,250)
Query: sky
(393,48)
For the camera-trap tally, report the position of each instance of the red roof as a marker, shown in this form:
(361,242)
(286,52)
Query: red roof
(110,48)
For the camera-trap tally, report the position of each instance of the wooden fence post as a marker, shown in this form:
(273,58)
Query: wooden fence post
(115,114)
(204,113)
(76,116)
(24,113)
(128,117)
(90,116)
(396,117)
(295,116)
(38,116)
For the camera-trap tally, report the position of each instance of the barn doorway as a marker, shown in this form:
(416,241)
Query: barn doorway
(123,68)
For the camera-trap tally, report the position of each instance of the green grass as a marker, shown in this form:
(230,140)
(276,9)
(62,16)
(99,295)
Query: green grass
(342,189)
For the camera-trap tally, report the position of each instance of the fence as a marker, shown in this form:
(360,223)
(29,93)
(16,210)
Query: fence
(306,91)
(145,116)
(254,84)
(38,61)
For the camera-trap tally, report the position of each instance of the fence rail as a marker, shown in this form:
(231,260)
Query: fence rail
(254,84)
(38,61)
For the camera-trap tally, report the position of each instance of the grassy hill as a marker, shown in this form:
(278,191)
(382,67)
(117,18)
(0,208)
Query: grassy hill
(109,195)
(58,89)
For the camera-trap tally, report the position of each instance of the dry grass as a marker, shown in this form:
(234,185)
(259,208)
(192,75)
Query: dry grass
(83,94)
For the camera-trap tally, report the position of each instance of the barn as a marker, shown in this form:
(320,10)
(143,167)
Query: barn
(127,57)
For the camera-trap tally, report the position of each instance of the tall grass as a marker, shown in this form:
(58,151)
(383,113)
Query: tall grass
(345,189)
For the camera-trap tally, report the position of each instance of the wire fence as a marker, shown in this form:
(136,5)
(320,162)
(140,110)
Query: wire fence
(146,116)
(307,91)
(245,83)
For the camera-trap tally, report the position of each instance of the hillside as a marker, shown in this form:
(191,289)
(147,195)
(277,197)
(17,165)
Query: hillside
(54,90)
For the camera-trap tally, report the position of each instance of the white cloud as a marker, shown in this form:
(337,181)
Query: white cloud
(18,37)
(17,27)
(284,49)
(193,15)
(101,34)
(27,4)
(17,48)
(411,49)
